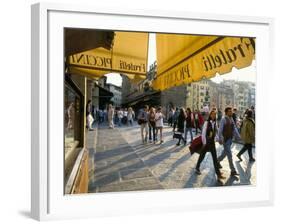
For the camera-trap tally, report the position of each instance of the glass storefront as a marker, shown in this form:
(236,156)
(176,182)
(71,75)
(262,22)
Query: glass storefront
(72,118)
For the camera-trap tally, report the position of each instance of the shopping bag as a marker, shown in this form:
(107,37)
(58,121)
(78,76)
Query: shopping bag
(196,145)
(177,135)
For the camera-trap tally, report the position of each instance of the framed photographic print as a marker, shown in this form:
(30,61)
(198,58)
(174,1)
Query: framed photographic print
(148,111)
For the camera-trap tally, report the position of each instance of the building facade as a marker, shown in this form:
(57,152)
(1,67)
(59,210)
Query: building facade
(196,95)
(117,94)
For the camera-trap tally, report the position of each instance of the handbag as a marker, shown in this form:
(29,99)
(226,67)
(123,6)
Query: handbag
(141,121)
(177,135)
(196,145)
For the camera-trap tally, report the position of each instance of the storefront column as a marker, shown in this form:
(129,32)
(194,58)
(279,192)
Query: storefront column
(85,110)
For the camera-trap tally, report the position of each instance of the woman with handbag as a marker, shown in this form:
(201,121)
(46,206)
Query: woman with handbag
(209,133)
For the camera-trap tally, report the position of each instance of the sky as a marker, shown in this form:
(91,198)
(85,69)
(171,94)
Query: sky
(245,74)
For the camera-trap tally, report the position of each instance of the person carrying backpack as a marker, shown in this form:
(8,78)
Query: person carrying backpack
(248,136)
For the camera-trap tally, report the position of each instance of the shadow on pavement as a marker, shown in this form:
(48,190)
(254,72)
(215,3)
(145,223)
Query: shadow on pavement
(244,175)
(230,181)
(174,166)
(126,158)
(192,179)
(120,150)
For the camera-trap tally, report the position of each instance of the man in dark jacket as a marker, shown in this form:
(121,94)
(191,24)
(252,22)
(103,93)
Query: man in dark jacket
(227,131)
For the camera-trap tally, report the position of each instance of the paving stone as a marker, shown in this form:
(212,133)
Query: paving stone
(123,163)
(121,186)
(135,173)
(100,180)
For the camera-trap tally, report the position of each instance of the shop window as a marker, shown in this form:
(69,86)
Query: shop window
(72,119)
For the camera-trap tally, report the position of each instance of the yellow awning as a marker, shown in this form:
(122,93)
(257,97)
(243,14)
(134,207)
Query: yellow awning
(128,56)
(182,59)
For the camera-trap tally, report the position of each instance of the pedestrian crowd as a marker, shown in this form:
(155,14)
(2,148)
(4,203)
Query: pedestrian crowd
(117,116)
(211,125)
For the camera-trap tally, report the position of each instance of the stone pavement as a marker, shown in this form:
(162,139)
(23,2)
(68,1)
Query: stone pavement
(120,162)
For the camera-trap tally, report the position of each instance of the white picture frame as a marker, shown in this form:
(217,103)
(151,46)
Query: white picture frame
(48,201)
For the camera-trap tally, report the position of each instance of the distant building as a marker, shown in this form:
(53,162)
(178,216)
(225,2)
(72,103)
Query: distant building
(140,94)
(117,94)
(252,94)
(137,95)
(225,96)
(101,95)
(196,95)
(228,93)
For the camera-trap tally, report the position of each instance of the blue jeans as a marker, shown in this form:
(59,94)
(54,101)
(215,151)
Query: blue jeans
(227,152)
(185,133)
(119,121)
(153,130)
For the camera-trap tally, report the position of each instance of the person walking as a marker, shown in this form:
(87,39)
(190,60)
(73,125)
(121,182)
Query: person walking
(105,114)
(125,116)
(175,118)
(101,116)
(197,121)
(110,116)
(120,116)
(205,112)
(131,116)
(219,116)
(227,131)
(248,136)
(152,125)
(234,116)
(209,134)
(180,125)
(116,116)
(170,117)
(253,112)
(159,117)
(143,122)
(188,124)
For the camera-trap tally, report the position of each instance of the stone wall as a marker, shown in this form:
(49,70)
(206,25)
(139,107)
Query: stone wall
(176,96)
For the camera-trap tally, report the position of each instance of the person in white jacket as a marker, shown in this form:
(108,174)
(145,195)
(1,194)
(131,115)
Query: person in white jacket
(159,123)
(209,135)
